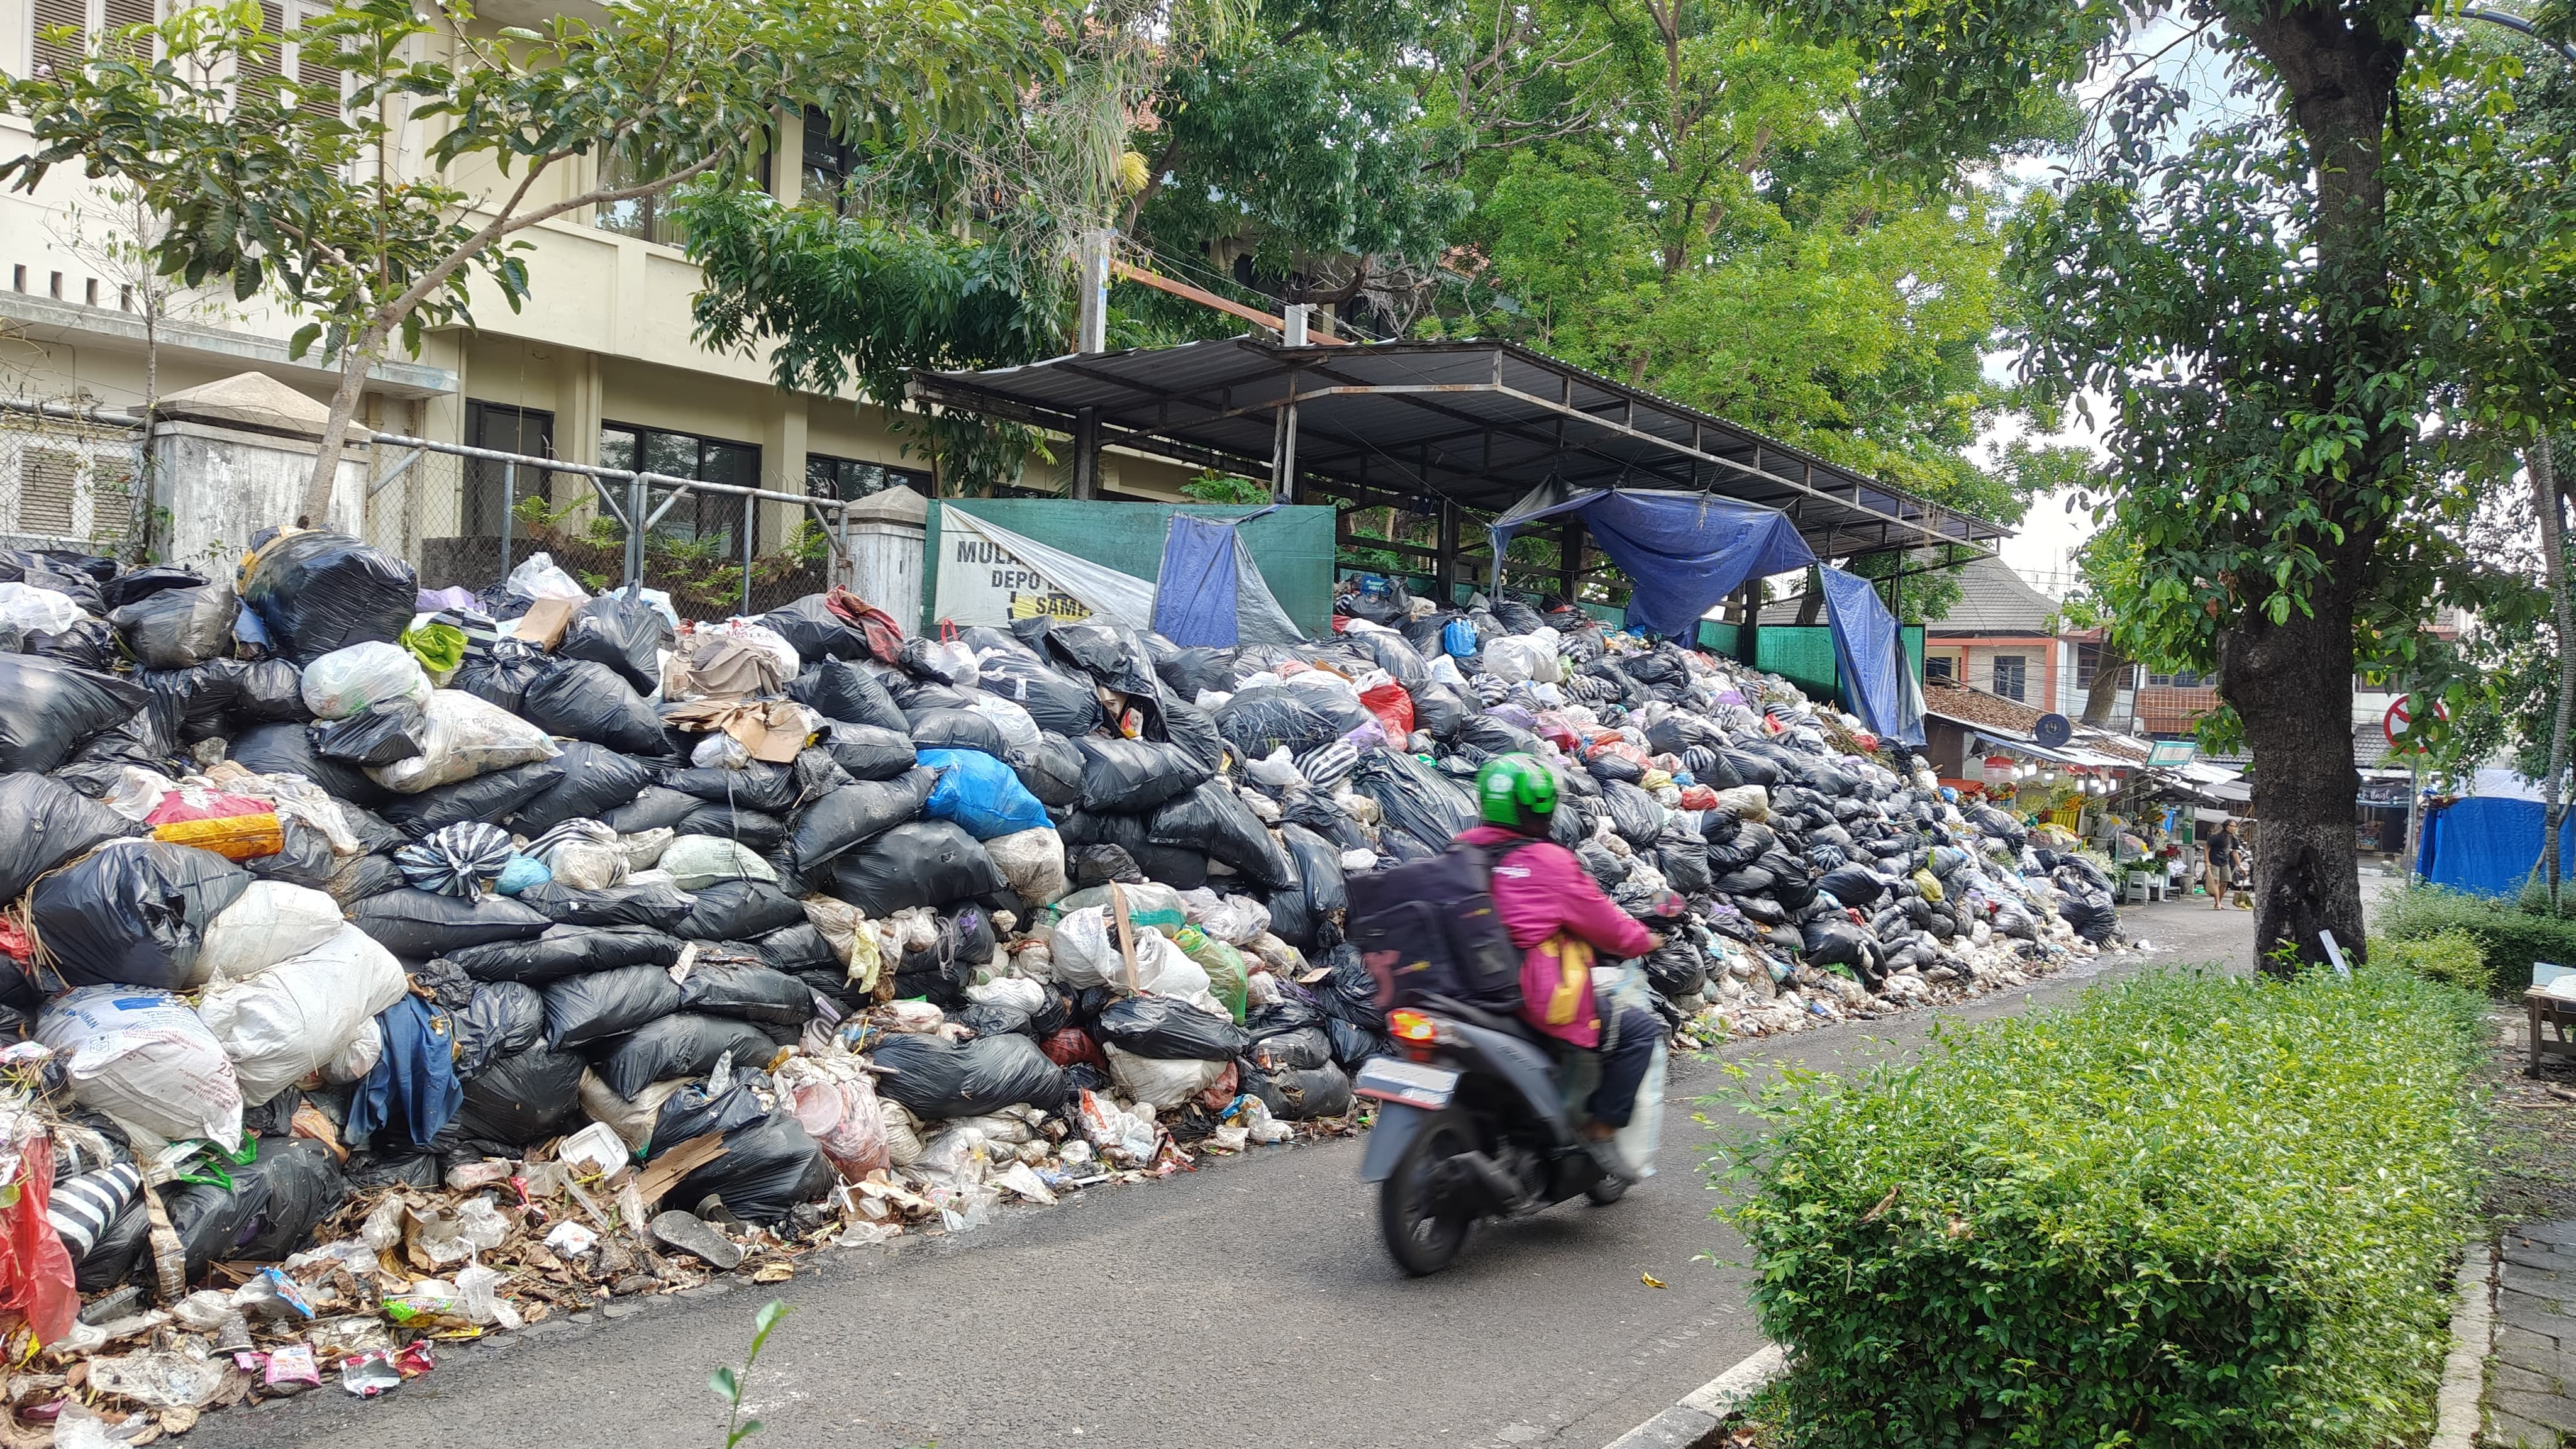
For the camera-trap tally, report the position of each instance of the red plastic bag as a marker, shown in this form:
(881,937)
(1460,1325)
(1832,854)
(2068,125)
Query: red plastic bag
(197,803)
(1073,1045)
(1698,797)
(1392,706)
(35,1267)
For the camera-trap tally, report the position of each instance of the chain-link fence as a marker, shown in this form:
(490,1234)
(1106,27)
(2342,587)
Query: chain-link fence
(68,480)
(467,516)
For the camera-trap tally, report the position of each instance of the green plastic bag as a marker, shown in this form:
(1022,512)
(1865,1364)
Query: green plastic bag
(1228,978)
(438,647)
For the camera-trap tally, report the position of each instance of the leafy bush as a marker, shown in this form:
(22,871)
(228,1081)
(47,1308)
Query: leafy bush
(2511,938)
(2453,956)
(2191,1210)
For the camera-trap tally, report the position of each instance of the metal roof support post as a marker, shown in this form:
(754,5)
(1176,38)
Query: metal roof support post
(1093,335)
(1444,576)
(1283,468)
(1569,558)
(1086,453)
(1748,647)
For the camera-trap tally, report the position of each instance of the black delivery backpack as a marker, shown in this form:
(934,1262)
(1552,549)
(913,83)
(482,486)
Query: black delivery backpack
(1429,928)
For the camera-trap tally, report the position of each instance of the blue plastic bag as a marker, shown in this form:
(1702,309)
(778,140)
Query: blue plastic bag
(980,794)
(1459,638)
(522,872)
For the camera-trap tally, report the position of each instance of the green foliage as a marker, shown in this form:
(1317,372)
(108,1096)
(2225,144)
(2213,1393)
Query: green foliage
(2452,955)
(1210,486)
(2193,1209)
(731,1386)
(2509,935)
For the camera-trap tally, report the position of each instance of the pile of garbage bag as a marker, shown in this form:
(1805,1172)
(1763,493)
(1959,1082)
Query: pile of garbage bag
(384,963)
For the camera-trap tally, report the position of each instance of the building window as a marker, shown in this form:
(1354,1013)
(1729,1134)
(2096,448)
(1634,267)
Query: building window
(699,517)
(849,479)
(829,163)
(646,218)
(92,19)
(2009,671)
(493,488)
(2185,680)
(1937,668)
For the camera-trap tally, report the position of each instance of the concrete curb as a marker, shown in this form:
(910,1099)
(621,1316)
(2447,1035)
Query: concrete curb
(2456,1406)
(1704,1408)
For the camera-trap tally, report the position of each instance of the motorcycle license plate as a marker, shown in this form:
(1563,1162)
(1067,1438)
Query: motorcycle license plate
(1411,1083)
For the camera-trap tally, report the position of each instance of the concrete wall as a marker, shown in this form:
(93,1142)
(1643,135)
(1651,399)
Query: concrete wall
(220,487)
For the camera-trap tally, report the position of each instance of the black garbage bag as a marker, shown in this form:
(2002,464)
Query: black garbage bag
(739,910)
(1114,656)
(974,930)
(1835,942)
(918,696)
(1439,710)
(1092,865)
(1855,886)
(1169,1030)
(319,591)
(1052,771)
(1301,1094)
(1611,769)
(768,1167)
(520,1100)
(653,808)
(304,858)
(1750,768)
(283,749)
(759,785)
(502,674)
(584,1009)
(1287,1037)
(1324,818)
(1677,969)
(747,988)
(1680,730)
(504,1019)
(1214,820)
(815,632)
(868,752)
(957,729)
(135,585)
(622,631)
(1354,1044)
(178,628)
(1131,777)
(133,913)
(1633,813)
(388,732)
(44,823)
(995,1019)
(657,904)
(682,1044)
(197,703)
(1059,703)
(762,833)
(1606,867)
(1683,858)
(112,1256)
(495,796)
(936,1080)
(1422,807)
(1270,717)
(854,814)
(1179,867)
(87,644)
(926,862)
(1196,670)
(48,707)
(417,924)
(1300,912)
(1188,726)
(584,700)
(594,781)
(798,949)
(839,690)
(561,951)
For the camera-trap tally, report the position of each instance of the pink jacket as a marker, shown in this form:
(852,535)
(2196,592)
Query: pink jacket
(1542,892)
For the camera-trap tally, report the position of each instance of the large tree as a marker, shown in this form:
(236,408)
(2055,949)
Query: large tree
(2237,293)
(272,180)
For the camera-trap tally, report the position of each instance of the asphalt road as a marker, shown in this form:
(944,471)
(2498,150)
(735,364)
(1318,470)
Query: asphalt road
(1246,1304)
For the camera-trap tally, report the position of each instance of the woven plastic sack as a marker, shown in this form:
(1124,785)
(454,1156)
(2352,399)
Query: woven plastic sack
(1032,861)
(298,1016)
(695,862)
(271,922)
(145,1059)
(234,837)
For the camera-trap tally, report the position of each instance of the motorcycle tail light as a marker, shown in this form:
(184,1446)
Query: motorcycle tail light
(1416,1032)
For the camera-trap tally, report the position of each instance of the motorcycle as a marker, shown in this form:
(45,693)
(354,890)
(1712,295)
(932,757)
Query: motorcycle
(1474,1123)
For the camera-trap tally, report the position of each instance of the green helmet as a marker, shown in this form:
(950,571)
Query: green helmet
(1516,792)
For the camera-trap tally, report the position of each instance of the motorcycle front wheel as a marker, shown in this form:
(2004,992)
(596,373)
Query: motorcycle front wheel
(1425,1228)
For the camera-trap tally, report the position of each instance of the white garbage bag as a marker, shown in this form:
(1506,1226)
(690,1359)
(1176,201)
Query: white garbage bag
(1032,861)
(1164,1083)
(270,922)
(37,611)
(538,577)
(467,736)
(354,680)
(695,862)
(287,1022)
(145,1059)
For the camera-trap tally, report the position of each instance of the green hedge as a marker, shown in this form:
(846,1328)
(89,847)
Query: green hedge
(2191,1210)
(2511,937)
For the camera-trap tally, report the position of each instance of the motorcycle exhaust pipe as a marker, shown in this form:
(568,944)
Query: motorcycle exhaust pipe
(1502,1192)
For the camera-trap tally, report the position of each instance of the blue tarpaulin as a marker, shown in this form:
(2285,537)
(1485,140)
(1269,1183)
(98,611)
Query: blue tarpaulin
(1685,552)
(1877,683)
(1194,603)
(2490,845)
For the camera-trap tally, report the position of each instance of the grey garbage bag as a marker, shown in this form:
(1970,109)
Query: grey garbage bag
(607,1004)
(49,707)
(1131,777)
(178,628)
(683,1044)
(935,1079)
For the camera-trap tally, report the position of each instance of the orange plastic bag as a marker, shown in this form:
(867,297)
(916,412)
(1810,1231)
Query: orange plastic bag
(234,837)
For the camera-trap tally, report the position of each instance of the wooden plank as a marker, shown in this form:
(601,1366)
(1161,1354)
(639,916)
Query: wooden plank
(1205,298)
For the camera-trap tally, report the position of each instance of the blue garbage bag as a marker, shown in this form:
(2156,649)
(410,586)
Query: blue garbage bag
(1458,637)
(980,794)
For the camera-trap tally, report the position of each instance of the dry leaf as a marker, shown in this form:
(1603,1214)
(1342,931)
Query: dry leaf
(1650,1280)
(773,1273)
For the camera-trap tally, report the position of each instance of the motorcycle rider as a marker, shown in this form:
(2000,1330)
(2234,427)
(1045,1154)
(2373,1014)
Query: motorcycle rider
(1558,917)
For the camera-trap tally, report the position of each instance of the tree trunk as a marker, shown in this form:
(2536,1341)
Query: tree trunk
(2292,684)
(2109,668)
(2539,462)
(354,362)
(138,520)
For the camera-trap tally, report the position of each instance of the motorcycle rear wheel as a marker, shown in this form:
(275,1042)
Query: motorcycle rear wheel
(1423,1235)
